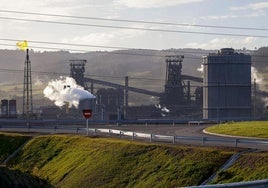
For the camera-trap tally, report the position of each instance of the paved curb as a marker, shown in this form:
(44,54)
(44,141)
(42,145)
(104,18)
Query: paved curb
(230,136)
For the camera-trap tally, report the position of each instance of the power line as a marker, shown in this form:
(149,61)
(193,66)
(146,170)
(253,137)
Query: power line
(124,53)
(135,28)
(70,44)
(111,47)
(102,46)
(66,74)
(137,21)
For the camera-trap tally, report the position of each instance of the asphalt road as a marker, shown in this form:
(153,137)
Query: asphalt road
(181,131)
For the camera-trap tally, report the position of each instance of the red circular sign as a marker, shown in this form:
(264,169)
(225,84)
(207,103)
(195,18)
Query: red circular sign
(87,113)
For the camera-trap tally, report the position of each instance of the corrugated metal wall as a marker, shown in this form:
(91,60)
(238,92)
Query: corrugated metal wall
(227,85)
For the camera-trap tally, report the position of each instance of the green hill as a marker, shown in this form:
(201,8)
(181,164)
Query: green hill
(9,143)
(17,179)
(75,161)
(249,167)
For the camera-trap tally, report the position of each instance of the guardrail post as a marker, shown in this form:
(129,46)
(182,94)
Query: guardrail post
(151,137)
(203,141)
(109,132)
(236,142)
(120,134)
(95,131)
(173,123)
(132,135)
(173,139)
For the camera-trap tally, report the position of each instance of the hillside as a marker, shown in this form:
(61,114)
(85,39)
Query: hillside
(72,161)
(76,161)
(146,69)
(9,143)
(249,167)
(15,178)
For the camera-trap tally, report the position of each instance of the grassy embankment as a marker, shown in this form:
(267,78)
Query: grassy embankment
(9,143)
(249,167)
(14,178)
(73,161)
(248,129)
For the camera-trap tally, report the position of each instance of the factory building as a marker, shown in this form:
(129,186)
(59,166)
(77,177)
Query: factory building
(8,108)
(227,85)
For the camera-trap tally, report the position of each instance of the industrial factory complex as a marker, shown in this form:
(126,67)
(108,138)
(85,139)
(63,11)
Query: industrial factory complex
(225,92)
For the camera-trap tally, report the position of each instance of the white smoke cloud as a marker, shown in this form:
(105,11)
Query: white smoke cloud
(163,109)
(65,90)
(201,68)
(255,75)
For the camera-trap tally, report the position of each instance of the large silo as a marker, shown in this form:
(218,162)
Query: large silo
(227,85)
(12,110)
(4,108)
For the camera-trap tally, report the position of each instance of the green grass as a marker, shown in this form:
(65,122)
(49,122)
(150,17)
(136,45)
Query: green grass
(248,129)
(15,178)
(75,161)
(9,143)
(249,167)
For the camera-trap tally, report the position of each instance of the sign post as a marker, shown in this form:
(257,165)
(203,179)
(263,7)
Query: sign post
(87,114)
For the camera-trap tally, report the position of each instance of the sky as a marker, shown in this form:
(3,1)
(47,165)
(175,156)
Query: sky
(109,33)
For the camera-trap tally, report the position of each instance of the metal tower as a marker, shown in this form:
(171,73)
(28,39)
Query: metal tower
(174,93)
(77,70)
(27,89)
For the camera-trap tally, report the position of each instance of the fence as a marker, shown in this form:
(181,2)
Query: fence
(232,142)
(173,139)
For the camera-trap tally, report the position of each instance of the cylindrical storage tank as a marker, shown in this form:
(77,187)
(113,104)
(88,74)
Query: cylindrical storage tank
(4,108)
(12,108)
(227,85)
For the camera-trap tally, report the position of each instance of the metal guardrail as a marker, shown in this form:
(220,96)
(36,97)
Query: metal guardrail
(233,142)
(248,184)
(161,138)
(174,139)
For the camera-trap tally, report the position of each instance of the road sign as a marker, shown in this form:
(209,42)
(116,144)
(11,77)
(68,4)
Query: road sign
(87,113)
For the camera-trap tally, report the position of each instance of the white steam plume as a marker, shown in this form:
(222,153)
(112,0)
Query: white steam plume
(65,90)
(201,69)
(255,75)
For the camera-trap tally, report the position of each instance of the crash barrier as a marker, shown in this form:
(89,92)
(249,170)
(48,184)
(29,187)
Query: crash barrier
(173,139)
(247,184)
(232,142)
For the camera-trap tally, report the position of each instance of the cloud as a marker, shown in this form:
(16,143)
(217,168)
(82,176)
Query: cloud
(219,17)
(253,6)
(105,38)
(232,16)
(44,6)
(218,43)
(152,3)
